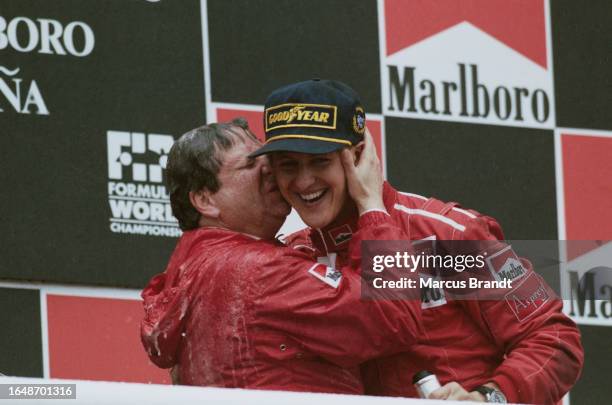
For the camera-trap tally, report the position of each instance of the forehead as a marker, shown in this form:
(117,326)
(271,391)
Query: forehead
(241,146)
(237,135)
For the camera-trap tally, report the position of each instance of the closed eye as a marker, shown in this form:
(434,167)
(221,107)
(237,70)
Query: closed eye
(250,163)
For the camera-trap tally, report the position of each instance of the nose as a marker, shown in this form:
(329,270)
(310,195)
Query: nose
(304,178)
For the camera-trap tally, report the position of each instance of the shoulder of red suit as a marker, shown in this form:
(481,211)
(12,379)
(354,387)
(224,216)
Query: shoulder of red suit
(433,211)
(297,236)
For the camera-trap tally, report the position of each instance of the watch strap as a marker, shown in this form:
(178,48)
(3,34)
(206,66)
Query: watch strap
(491,394)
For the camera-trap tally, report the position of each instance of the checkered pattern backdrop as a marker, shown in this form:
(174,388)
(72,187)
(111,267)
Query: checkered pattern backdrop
(501,105)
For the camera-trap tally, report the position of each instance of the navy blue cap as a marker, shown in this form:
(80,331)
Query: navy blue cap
(315,116)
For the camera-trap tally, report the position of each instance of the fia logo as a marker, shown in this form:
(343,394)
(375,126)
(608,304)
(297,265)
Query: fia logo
(138,201)
(124,146)
(23,96)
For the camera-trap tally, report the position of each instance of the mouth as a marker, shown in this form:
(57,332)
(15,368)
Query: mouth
(312,198)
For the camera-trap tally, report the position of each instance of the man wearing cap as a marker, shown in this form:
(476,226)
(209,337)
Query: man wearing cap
(494,350)
(237,309)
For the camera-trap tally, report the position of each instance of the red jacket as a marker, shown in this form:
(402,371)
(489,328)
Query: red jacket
(235,311)
(532,352)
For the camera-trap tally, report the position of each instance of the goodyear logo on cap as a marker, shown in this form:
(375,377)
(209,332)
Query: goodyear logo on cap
(301,115)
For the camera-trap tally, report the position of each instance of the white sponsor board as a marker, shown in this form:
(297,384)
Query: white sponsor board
(464,74)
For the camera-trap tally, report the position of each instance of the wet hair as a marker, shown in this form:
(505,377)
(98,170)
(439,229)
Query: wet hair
(194,163)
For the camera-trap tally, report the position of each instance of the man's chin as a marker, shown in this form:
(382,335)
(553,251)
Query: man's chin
(285,211)
(276,222)
(279,209)
(279,205)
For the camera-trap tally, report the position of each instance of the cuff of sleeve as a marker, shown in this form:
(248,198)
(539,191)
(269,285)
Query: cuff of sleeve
(507,387)
(373,217)
(374,210)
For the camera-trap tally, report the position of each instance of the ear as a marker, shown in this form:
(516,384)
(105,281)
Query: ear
(357,150)
(204,204)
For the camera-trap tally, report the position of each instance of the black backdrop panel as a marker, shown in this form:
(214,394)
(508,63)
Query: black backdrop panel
(504,172)
(582,49)
(20,340)
(254,50)
(594,384)
(143,74)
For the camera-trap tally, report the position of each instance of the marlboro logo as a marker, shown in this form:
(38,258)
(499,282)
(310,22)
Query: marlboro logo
(506,265)
(465,62)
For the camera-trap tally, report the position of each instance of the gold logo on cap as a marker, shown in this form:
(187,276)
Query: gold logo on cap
(300,115)
(359,121)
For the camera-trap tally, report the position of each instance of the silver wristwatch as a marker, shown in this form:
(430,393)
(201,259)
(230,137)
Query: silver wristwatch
(492,395)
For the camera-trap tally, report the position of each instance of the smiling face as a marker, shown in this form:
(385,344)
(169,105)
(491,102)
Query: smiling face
(315,185)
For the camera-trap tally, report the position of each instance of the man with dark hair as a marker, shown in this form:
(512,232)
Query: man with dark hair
(189,173)
(235,308)
(195,180)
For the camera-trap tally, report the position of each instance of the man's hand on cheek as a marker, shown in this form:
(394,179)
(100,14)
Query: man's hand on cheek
(455,392)
(364,177)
